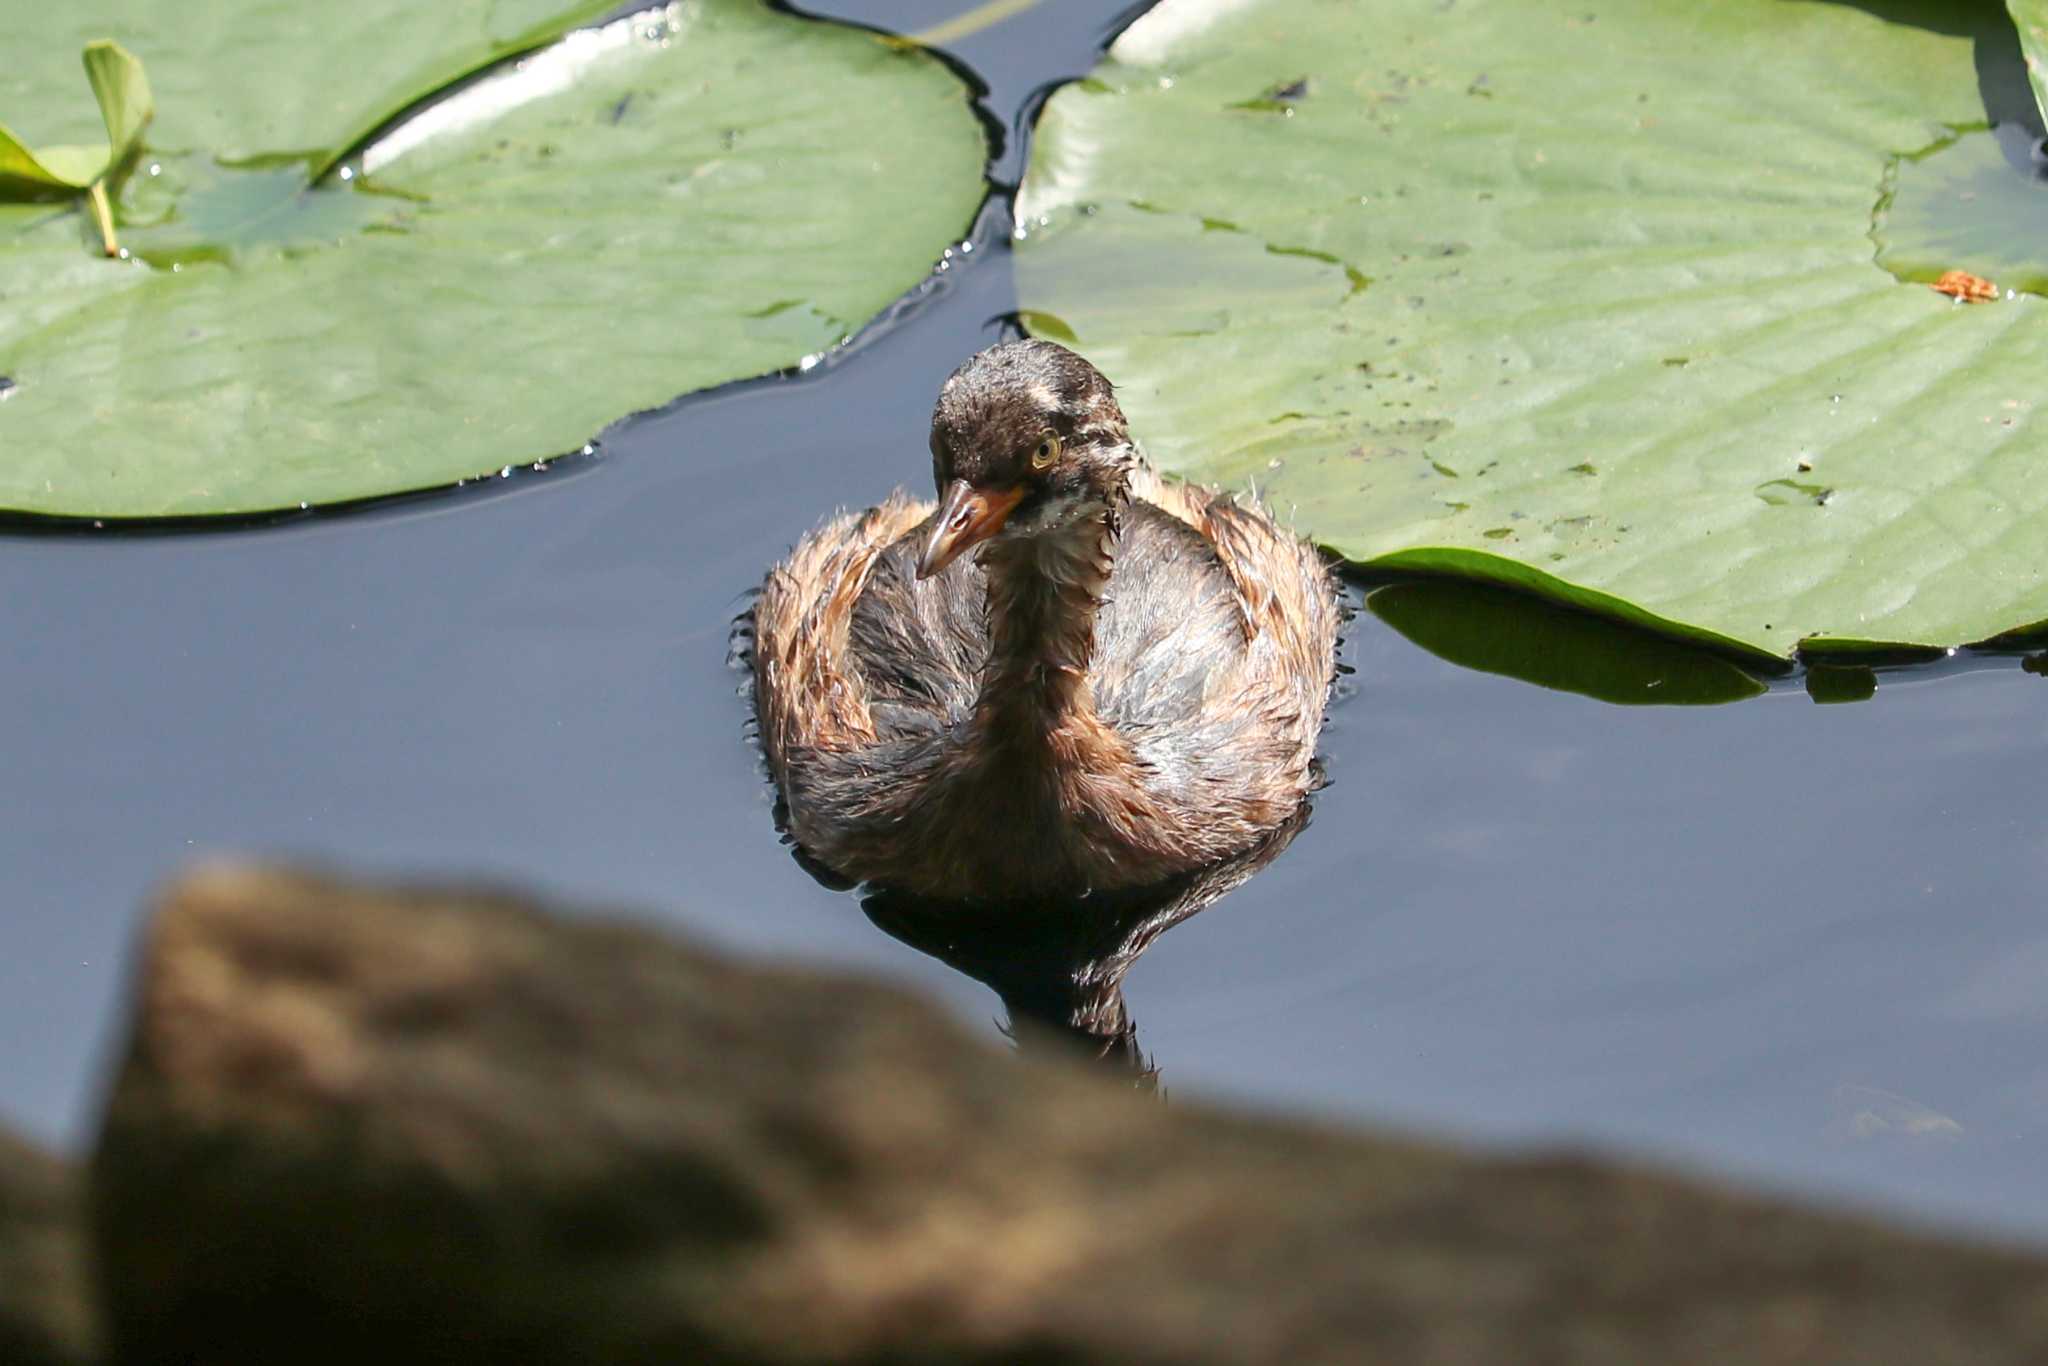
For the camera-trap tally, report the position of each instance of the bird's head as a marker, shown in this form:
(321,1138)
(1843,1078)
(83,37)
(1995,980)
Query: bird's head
(1027,439)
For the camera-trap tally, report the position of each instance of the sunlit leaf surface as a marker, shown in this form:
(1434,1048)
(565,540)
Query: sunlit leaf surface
(1583,299)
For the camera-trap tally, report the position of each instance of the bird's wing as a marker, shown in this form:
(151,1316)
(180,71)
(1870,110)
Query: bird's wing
(808,687)
(1283,588)
(920,644)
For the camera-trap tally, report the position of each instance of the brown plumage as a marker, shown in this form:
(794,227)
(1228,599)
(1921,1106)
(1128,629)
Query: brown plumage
(1123,683)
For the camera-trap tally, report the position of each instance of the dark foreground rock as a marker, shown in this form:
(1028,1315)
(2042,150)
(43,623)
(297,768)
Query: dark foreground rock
(44,1319)
(365,1126)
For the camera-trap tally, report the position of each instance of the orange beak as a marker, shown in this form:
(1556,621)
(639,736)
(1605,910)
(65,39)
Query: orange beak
(967,516)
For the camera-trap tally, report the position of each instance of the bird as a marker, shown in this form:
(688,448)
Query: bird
(1069,675)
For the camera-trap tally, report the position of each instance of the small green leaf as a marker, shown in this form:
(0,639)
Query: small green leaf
(35,174)
(121,88)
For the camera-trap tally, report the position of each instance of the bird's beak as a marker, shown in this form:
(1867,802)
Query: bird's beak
(967,516)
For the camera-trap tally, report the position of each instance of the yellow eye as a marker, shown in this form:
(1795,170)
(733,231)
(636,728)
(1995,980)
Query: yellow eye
(1046,451)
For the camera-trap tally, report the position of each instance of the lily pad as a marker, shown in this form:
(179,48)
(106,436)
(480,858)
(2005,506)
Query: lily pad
(697,195)
(1583,300)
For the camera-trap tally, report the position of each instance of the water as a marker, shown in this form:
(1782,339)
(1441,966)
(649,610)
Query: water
(1977,201)
(1801,944)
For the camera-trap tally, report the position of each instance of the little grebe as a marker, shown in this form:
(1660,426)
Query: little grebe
(1124,683)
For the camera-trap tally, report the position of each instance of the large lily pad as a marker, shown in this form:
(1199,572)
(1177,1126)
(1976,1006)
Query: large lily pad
(643,210)
(1582,299)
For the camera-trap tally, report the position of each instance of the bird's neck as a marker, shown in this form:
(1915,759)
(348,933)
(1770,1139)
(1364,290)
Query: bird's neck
(1043,595)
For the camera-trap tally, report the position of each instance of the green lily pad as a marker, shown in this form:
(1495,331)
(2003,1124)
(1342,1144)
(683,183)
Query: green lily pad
(1623,338)
(637,212)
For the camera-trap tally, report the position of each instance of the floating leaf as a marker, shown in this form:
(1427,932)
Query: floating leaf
(1624,339)
(713,192)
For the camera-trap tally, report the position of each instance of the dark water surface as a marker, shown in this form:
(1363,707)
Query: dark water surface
(1805,944)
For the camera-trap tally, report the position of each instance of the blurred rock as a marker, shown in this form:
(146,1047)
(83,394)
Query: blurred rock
(43,1315)
(406,1126)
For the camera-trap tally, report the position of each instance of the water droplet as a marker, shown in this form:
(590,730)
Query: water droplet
(303,505)
(348,173)
(966,248)
(156,168)
(7,388)
(505,473)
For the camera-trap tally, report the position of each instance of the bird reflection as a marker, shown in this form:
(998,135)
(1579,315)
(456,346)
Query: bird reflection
(1059,965)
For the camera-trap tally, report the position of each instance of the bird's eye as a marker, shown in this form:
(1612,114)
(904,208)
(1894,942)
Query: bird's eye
(1046,451)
